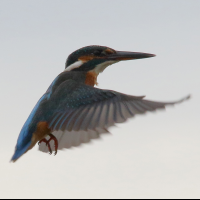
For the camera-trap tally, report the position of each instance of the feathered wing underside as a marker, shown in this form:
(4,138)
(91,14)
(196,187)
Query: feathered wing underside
(67,140)
(87,115)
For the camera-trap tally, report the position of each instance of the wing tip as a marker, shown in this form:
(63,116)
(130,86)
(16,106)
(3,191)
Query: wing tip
(185,98)
(189,97)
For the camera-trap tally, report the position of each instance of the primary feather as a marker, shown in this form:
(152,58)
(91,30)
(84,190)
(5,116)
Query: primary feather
(83,112)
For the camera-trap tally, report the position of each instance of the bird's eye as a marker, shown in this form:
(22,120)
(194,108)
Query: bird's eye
(97,53)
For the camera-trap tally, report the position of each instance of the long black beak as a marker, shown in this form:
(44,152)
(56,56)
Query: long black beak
(124,55)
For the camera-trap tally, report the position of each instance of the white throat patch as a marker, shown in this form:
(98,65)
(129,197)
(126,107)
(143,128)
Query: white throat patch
(101,67)
(75,65)
(98,69)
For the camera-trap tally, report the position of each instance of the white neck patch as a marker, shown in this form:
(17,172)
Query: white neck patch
(98,69)
(101,67)
(75,65)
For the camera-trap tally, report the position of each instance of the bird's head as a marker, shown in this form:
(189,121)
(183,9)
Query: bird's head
(97,58)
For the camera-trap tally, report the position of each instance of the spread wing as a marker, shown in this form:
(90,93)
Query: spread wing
(83,113)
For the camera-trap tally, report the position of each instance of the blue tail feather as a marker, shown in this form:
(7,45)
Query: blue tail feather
(19,152)
(25,136)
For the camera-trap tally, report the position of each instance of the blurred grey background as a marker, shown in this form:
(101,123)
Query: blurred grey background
(152,156)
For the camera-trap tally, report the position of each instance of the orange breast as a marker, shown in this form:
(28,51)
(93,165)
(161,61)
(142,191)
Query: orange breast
(41,132)
(91,79)
(43,129)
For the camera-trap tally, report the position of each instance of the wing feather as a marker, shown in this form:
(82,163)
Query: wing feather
(89,117)
(59,121)
(54,119)
(80,119)
(65,120)
(84,113)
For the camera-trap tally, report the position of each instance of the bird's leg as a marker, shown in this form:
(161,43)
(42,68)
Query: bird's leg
(52,137)
(47,143)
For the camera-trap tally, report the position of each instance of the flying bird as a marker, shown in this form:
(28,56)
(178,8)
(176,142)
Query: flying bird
(73,111)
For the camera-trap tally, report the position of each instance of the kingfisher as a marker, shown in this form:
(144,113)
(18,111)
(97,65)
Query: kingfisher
(73,111)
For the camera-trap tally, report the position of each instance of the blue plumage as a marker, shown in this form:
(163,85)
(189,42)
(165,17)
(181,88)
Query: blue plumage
(24,139)
(42,111)
(73,105)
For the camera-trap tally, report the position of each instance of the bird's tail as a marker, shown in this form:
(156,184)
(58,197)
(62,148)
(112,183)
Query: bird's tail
(20,151)
(23,143)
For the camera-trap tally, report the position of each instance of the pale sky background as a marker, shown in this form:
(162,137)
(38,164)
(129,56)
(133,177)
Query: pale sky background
(151,156)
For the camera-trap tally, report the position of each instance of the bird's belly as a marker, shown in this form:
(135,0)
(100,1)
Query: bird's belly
(41,132)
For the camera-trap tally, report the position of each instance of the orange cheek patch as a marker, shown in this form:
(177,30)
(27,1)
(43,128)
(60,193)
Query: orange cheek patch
(109,51)
(91,79)
(86,58)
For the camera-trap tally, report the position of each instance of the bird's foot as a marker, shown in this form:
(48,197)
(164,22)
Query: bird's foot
(52,137)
